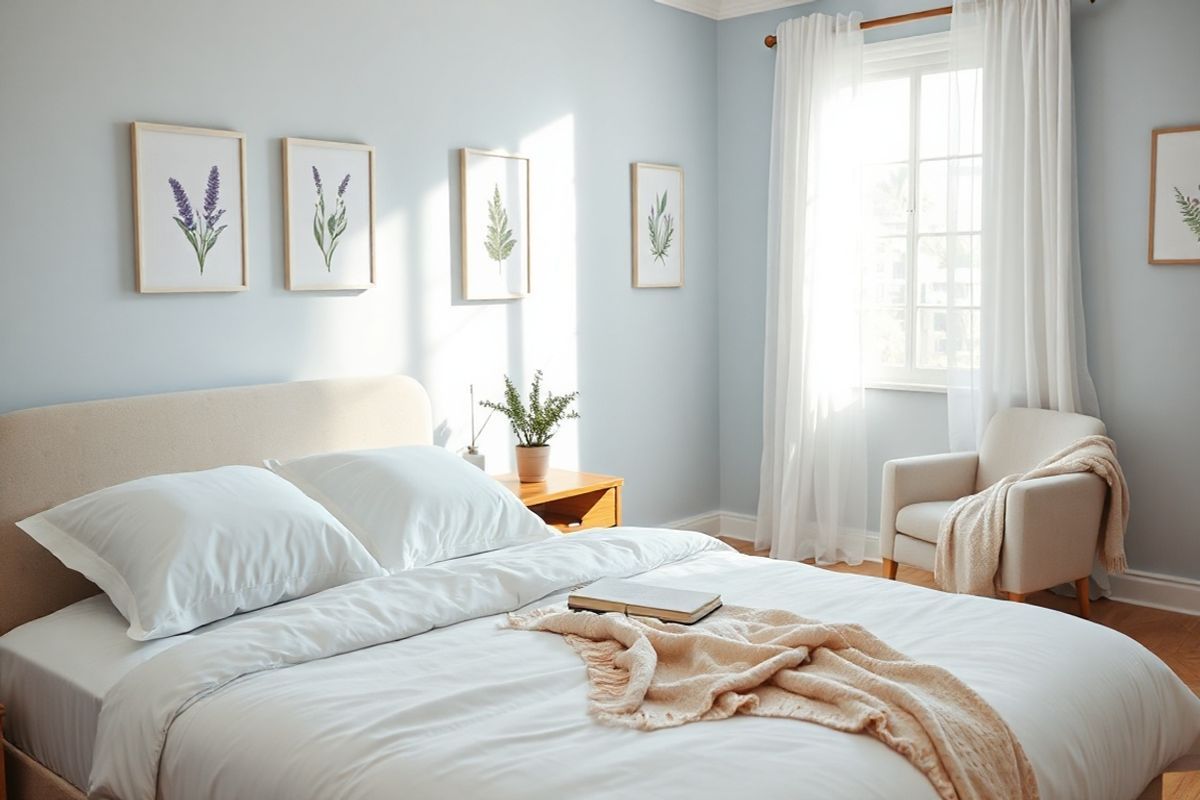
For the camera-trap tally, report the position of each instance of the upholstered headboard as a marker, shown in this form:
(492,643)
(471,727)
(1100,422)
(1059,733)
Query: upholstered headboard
(53,454)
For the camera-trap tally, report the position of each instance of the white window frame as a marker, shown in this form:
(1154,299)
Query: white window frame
(912,57)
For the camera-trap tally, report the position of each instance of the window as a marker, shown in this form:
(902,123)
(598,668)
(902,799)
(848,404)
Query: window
(921,184)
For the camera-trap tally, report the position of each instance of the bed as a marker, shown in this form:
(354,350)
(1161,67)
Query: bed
(411,683)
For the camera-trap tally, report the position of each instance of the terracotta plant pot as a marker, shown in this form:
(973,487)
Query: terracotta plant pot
(533,463)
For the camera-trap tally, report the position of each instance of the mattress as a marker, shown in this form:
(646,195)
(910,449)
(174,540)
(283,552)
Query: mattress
(54,673)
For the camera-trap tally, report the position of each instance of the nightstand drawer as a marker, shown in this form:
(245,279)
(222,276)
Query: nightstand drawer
(582,511)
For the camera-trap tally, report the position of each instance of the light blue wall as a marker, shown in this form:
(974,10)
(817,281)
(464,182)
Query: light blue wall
(583,87)
(1135,70)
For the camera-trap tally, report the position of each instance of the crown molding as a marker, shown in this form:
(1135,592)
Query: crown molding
(728,9)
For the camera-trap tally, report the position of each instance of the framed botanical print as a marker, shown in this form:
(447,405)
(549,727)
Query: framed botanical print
(657,225)
(1175,196)
(189,208)
(328,215)
(494,189)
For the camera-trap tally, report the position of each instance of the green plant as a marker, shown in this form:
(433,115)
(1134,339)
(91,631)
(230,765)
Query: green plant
(537,424)
(662,228)
(1189,207)
(500,241)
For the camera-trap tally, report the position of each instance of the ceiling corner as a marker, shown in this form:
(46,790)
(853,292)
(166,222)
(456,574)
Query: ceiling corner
(728,9)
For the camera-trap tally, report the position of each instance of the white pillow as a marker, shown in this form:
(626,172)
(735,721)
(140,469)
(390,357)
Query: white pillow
(174,552)
(412,506)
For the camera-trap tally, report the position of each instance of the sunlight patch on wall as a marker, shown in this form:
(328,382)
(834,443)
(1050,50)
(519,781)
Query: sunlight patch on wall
(456,343)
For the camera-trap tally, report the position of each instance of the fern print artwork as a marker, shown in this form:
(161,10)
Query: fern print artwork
(1189,208)
(662,228)
(201,230)
(328,226)
(500,241)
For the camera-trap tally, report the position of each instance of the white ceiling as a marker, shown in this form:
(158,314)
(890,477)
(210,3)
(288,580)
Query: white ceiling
(727,9)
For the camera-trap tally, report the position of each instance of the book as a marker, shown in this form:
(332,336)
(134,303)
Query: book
(644,600)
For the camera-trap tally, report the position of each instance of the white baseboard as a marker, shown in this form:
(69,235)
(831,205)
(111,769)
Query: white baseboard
(709,523)
(1136,587)
(718,523)
(1168,592)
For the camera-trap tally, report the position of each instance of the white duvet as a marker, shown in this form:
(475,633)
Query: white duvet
(409,686)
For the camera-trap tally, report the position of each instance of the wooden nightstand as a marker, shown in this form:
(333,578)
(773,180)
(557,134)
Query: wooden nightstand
(571,501)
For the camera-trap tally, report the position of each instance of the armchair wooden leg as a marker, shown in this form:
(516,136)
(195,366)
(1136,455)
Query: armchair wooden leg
(1016,597)
(889,569)
(1082,593)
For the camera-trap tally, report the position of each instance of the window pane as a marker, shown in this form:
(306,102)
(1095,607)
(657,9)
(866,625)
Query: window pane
(885,275)
(886,200)
(943,338)
(886,109)
(883,337)
(934,121)
(949,195)
(968,277)
(949,119)
(948,270)
(965,351)
(931,338)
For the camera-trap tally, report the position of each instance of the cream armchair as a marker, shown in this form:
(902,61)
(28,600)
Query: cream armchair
(1051,524)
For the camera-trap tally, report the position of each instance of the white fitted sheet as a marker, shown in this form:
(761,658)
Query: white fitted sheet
(54,673)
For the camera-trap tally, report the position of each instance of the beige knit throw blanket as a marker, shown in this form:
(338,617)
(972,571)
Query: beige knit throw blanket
(649,674)
(972,531)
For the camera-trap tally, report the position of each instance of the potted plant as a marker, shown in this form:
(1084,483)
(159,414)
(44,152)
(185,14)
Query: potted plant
(534,426)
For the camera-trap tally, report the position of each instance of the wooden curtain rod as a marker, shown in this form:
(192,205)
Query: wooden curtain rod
(866,25)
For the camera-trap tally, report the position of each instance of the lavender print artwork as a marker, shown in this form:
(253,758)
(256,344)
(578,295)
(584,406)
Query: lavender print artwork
(201,230)
(328,227)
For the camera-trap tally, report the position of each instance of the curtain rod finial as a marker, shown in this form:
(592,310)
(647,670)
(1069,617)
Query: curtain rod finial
(769,40)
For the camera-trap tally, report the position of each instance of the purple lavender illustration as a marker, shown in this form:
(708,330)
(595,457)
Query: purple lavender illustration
(328,227)
(202,233)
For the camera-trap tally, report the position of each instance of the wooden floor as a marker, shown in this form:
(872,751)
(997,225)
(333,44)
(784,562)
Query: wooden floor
(1175,638)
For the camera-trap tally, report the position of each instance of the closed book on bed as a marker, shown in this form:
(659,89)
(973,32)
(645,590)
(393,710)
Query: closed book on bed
(644,600)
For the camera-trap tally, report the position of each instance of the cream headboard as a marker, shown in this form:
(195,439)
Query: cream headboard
(53,454)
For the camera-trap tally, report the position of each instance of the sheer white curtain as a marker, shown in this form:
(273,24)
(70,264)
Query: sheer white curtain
(1029,348)
(813,477)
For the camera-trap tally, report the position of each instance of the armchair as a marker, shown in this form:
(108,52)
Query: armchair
(1051,524)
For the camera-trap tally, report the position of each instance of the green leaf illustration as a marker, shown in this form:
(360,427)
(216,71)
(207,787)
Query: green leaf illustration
(500,241)
(1189,208)
(662,228)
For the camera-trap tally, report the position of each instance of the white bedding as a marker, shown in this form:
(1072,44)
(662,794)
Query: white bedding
(475,709)
(54,673)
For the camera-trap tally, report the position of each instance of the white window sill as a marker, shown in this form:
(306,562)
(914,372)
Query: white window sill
(896,386)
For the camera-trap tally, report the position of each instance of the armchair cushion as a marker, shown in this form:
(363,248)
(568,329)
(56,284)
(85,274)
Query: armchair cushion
(922,479)
(922,520)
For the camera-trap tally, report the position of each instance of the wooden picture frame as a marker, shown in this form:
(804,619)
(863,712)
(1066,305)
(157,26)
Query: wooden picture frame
(314,257)
(172,234)
(1174,196)
(657,203)
(484,243)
